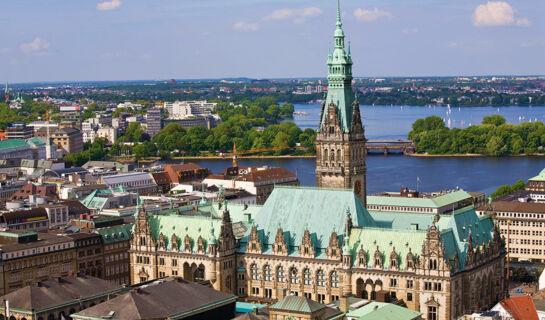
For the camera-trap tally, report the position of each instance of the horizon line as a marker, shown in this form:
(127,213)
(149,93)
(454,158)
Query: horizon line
(214,79)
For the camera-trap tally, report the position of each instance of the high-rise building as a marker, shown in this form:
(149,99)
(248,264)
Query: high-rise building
(154,120)
(71,116)
(340,142)
(19,130)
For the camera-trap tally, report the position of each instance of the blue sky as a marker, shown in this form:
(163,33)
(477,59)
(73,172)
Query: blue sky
(65,40)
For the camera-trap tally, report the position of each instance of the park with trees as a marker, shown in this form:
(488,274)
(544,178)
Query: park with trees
(493,137)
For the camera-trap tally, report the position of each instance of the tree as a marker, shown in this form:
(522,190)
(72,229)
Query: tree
(282,139)
(494,146)
(495,120)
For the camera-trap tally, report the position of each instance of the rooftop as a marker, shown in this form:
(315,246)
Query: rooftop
(160,299)
(56,292)
(384,311)
(433,202)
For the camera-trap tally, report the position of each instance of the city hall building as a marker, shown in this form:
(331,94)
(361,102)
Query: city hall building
(322,243)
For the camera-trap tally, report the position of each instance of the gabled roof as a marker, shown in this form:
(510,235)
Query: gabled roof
(295,209)
(160,299)
(520,308)
(297,304)
(52,293)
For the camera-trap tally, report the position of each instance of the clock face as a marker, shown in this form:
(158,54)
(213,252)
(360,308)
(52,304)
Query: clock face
(357,187)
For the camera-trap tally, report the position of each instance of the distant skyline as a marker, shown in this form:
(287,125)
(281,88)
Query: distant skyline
(95,40)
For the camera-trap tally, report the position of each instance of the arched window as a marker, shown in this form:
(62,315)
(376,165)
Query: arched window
(433,264)
(307,278)
(267,273)
(332,155)
(320,278)
(228,282)
(325,155)
(253,270)
(334,279)
(339,158)
(280,274)
(294,276)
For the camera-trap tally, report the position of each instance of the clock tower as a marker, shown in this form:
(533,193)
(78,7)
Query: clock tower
(340,140)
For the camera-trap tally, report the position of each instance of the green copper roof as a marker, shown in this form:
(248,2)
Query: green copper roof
(115,234)
(94,202)
(12,143)
(297,304)
(454,228)
(458,227)
(384,311)
(36,141)
(387,241)
(321,211)
(436,202)
(539,177)
(339,77)
(193,226)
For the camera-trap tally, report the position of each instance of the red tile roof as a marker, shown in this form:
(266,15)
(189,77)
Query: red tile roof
(254,174)
(520,308)
(173,170)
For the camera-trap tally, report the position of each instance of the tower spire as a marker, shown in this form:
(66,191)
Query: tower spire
(339,23)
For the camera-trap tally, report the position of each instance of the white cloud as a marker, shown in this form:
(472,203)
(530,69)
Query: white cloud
(37,46)
(524,22)
(410,31)
(109,5)
(245,26)
(497,14)
(296,15)
(367,15)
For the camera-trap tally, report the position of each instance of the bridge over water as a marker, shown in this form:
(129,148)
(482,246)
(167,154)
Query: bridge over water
(390,146)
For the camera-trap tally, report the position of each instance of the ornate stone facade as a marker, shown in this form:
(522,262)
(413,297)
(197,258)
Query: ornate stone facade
(451,265)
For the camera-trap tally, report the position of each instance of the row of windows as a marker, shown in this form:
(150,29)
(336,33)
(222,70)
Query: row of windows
(31,225)
(144,260)
(409,283)
(432,286)
(38,261)
(526,251)
(117,257)
(397,208)
(294,276)
(520,215)
(116,245)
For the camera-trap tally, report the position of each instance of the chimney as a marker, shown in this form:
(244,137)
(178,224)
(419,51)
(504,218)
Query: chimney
(436,218)
(343,305)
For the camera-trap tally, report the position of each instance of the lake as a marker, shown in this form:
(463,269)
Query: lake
(390,173)
(394,122)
